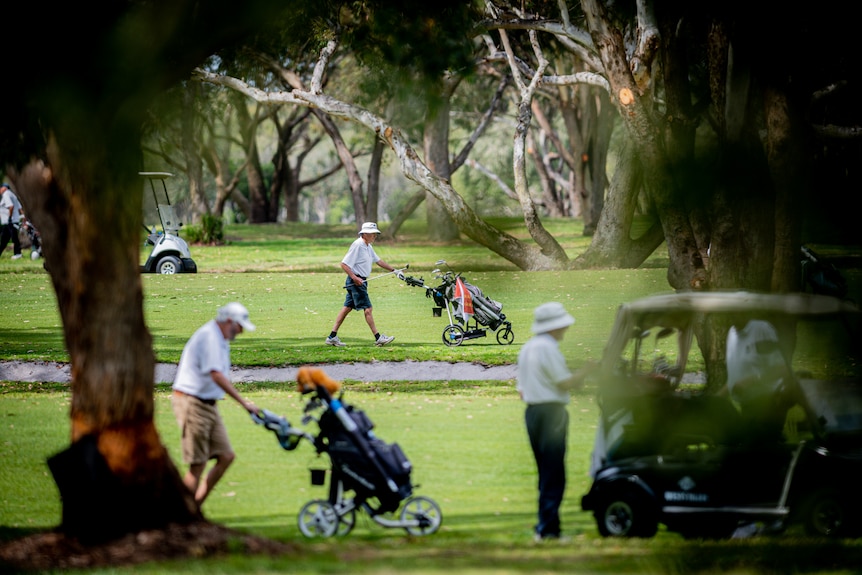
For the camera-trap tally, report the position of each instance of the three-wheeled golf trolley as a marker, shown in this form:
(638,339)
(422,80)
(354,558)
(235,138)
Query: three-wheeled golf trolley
(366,473)
(466,307)
(170,254)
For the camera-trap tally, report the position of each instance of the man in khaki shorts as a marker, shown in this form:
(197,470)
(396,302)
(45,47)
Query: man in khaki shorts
(201,380)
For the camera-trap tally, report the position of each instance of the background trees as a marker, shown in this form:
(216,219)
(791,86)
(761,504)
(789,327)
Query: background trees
(721,113)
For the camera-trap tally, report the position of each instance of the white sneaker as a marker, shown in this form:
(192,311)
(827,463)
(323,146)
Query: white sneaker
(383,340)
(335,341)
(16,257)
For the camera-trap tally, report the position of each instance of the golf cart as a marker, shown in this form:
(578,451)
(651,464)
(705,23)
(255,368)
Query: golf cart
(170,253)
(673,445)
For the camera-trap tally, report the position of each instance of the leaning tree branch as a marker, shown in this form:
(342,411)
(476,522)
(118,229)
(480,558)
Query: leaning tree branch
(525,256)
(480,129)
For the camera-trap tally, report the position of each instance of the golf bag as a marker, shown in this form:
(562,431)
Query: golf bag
(376,473)
(33,238)
(363,462)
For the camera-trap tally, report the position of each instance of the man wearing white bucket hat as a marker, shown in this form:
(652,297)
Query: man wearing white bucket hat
(202,379)
(544,382)
(357,265)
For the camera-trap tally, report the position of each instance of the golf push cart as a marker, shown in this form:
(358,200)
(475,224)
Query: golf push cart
(470,312)
(170,254)
(366,473)
(677,445)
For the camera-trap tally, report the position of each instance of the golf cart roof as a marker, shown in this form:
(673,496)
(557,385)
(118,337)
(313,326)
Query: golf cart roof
(680,309)
(738,302)
(156,175)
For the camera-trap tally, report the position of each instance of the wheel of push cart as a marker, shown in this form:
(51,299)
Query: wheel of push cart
(505,336)
(318,518)
(423,511)
(169,265)
(453,335)
(346,523)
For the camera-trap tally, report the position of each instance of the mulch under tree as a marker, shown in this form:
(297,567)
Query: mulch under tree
(54,550)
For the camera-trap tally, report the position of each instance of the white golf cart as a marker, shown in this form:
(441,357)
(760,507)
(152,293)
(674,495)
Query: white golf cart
(170,254)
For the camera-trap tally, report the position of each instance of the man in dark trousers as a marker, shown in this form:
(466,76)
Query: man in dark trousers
(544,382)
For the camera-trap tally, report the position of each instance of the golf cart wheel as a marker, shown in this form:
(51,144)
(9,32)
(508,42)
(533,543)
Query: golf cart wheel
(626,514)
(505,336)
(169,265)
(453,335)
(318,518)
(826,514)
(423,510)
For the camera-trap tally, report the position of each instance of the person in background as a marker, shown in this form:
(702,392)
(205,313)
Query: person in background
(10,220)
(757,373)
(544,382)
(202,379)
(357,265)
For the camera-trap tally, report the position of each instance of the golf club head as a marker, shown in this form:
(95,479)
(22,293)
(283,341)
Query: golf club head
(440,263)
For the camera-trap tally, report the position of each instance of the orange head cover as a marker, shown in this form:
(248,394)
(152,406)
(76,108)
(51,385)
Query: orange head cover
(309,378)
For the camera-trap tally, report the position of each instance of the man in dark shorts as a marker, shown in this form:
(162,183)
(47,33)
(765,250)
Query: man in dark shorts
(357,265)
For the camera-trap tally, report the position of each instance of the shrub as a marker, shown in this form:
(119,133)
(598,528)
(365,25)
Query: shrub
(209,231)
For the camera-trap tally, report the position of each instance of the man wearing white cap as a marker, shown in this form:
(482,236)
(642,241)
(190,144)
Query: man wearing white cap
(201,380)
(544,382)
(357,265)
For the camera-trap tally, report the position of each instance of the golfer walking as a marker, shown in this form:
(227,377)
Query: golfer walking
(201,380)
(544,382)
(357,265)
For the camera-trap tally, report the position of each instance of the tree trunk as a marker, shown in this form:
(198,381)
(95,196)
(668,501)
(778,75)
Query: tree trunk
(597,155)
(192,154)
(612,244)
(441,227)
(257,191)
(685,270)
(116,477)
(787,166)
(346,157)
(372,206)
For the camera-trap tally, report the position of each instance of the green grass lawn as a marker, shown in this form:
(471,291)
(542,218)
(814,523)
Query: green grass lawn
(470,454)
(289,278)
(466,440)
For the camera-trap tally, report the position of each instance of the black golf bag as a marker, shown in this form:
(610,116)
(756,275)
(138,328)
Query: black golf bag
(363,462)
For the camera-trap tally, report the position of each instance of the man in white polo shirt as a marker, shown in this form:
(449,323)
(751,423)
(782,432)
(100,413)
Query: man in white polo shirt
(544,382)
(202,379)
(357,265)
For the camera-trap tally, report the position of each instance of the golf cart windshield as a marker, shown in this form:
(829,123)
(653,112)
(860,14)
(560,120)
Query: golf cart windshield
(659,391)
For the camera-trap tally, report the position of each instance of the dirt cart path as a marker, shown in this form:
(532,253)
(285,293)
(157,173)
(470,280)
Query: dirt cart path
(374,371)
